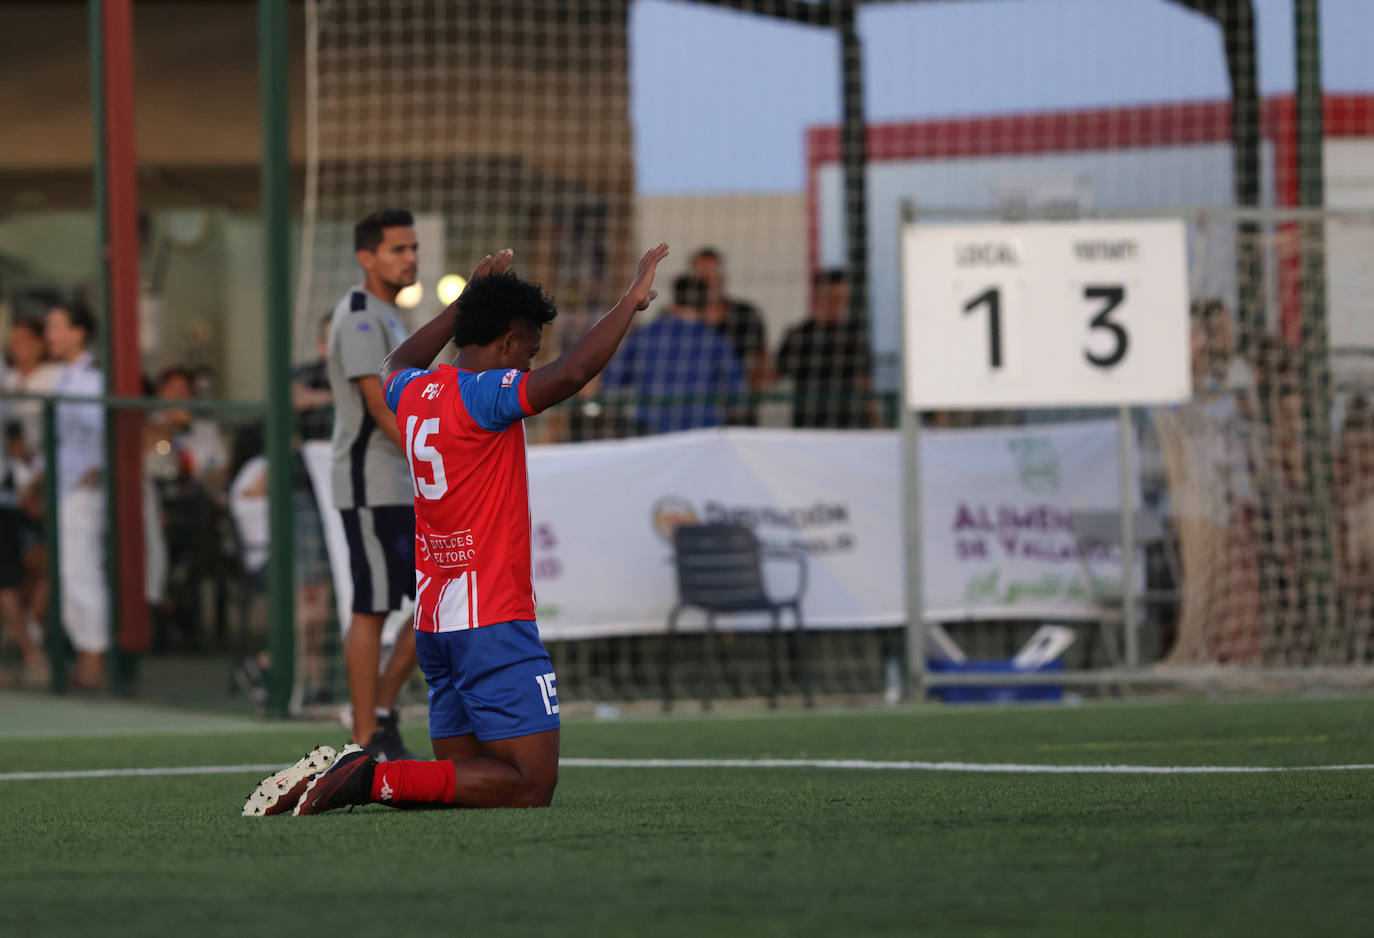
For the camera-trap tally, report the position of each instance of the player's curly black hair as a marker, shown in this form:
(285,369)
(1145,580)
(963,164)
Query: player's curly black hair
(492,304)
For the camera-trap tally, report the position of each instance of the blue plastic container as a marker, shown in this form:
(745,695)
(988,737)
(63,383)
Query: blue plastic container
(992,693)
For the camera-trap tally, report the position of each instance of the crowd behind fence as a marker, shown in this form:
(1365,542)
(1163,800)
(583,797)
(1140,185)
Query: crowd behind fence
(1227,473)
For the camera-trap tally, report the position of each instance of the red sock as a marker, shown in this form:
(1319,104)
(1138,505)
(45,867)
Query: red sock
(414,781)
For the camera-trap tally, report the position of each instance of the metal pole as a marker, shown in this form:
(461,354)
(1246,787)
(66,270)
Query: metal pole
(123,375)
(915,585)
(854,158)
(911,504)
(1128,611)
(1238,33)
(99,300)
(273,83)
(1236,20)
(1319,599)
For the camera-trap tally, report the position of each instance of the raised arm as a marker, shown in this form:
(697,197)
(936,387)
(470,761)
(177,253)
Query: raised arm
(424,345)
(374,399)
(583,361)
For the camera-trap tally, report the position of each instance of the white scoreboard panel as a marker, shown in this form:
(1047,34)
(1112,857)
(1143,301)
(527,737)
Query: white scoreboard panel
(1045,314)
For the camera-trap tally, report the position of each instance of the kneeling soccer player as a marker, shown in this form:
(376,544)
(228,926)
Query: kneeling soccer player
(493,695)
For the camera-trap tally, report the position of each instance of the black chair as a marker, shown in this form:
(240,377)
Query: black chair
(720,571)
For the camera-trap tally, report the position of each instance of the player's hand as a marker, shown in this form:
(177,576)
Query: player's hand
(493,264)
(641,292)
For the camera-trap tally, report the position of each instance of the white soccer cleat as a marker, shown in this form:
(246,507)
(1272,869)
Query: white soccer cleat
(278,794)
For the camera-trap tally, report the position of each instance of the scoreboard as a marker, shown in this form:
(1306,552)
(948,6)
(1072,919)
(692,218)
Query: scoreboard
(1045,314)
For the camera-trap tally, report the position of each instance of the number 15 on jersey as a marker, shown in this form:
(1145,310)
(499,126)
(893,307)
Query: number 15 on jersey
(1052,314)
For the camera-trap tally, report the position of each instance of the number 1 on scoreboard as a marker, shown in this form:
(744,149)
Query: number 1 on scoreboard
(992,299)
(991,319)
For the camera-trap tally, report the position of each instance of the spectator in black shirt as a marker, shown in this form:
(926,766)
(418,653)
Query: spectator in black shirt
(737,321)
(827,359)
(311,397)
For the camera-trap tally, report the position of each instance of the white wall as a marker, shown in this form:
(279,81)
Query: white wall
(1350,247)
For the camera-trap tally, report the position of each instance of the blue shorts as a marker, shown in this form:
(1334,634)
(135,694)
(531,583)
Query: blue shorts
(495,681)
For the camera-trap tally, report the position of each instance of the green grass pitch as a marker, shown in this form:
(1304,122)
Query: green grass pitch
(732,851)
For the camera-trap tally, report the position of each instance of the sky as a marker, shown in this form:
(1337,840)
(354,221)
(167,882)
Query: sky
(755,84)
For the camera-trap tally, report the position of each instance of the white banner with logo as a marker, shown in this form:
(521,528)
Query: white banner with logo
(604,515)
(996,519)
(995,512)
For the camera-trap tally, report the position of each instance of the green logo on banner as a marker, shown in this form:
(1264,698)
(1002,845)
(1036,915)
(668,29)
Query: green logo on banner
(1037,462)
(668,513)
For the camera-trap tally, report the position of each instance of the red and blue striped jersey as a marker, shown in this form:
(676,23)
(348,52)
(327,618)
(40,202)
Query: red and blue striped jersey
(465,444)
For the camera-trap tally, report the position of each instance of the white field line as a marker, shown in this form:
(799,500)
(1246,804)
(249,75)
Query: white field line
(1003,768)
(1008,768)
(268,767)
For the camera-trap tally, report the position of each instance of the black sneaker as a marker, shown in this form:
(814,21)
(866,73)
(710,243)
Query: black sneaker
(385,744)
(347,782)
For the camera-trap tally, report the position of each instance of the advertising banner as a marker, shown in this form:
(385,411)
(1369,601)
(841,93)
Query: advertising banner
(996,529)
(997,519)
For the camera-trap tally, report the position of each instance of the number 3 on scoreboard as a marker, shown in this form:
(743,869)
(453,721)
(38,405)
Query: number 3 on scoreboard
(418,451)
(1110,295)
(1113,295)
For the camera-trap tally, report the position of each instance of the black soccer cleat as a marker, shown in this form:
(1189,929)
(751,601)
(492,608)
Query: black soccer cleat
(347,782)
(385,744)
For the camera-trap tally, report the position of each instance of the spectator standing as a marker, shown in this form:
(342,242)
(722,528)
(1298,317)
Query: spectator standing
(313,401)
(186,470)
(681,369)
(1218,370)
(69,330)
(737,321)
(248,508)
(196,442)
(1223,384)
(30,372)
(827,359)
(311,396)
(1354,498)
(1217,457)
(11,551)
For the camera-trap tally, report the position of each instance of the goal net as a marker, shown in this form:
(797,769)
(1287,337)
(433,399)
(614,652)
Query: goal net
(1266,475)
(580,133)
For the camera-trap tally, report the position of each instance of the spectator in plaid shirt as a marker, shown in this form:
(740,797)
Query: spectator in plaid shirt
(684,372)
